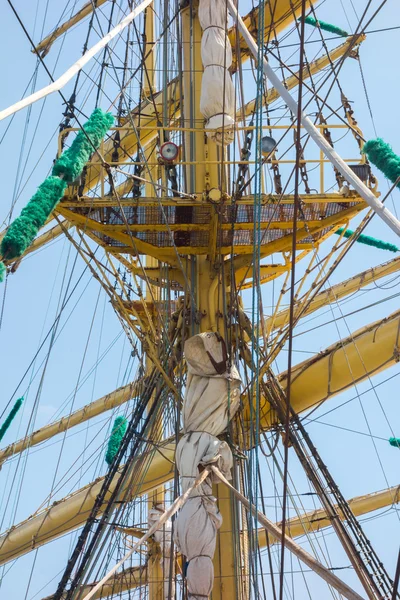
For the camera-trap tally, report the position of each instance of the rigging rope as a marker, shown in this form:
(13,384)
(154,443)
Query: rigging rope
(67,168)
(58,84)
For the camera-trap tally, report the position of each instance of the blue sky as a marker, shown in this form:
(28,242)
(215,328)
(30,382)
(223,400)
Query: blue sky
(359,462)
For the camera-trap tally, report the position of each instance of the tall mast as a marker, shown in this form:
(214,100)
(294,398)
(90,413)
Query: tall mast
(183,224)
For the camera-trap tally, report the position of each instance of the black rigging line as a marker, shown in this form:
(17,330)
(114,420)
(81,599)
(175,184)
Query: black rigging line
(45,338)
(396,579)
(104,54)
(335,37)
(111,473)
(34,49)
(292,293)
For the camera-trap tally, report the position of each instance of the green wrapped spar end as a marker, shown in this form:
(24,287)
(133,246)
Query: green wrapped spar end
(394,442)
(68,167)
(10,417)
(117,434)
(368,240)
(23,230)
(71,162)
(382,156)
(3,271)
(326,26)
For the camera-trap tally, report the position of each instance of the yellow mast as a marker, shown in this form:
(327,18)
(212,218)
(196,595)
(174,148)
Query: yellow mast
(316,520)
(203,176)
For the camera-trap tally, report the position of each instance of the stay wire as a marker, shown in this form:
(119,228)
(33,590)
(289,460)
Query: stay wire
(292,293)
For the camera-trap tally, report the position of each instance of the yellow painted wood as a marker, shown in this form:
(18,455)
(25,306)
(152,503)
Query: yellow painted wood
(364,353)
(226,584)
(46,43)
(112,400)
(317,519)
(314,67)
(338,291)
(149,82)
(71,512)
(128,579)
(278,14)
(314,381)
(297,526)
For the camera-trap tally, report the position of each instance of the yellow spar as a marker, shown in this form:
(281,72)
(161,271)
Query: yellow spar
(308,522)
(314,381)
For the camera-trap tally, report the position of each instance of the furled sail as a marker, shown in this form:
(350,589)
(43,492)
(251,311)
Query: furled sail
(212,398)
(163,537)
(217,101)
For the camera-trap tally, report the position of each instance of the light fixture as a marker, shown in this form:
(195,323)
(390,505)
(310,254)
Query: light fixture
(169,152)
(267,145)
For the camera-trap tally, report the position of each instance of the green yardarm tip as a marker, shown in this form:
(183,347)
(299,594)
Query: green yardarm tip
(394,442)
(23,230)
(117,433)
(10,417)
(67,168)
(382,156)
(71,162)
(368,240)
(326,26)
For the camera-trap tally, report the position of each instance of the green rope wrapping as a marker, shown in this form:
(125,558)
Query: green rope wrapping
(117,433)
(71,162)
(10,417)
(394,442)
(23,230)
(326,26)
(67,168)
(382,156)
(368,240)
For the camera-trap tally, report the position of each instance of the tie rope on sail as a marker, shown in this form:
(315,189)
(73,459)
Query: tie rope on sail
(23,230)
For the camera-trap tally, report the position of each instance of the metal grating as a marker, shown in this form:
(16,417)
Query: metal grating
(175,215)
(149,215)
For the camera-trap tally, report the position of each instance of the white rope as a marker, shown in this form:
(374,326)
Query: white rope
(76,67)
(179,502)
(318,138)
(297,550)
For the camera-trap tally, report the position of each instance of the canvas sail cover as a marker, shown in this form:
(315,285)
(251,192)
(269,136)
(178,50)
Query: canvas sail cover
(163,536)
(217,100)
(211,399)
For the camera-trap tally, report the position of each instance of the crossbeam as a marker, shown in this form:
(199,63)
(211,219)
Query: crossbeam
(369,197)
(364,353)
(336,292)
(308,522)
(107,402)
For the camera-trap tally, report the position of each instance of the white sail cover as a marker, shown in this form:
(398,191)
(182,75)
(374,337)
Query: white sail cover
(211,399)
(163,536)
(217,100)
